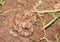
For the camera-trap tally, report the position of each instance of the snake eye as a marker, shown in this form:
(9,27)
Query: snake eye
(26,28)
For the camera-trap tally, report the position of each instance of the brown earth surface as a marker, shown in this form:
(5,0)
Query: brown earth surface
(16,21)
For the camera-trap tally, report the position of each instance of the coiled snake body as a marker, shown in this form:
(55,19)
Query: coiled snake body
(22,25)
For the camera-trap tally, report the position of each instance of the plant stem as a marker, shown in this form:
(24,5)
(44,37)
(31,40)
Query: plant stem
(50,22)
(48,11)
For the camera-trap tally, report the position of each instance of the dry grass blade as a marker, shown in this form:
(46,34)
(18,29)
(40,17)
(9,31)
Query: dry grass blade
(48,11)
(53,20)
(2,2)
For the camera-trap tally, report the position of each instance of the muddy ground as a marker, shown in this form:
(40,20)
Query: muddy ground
(16,21)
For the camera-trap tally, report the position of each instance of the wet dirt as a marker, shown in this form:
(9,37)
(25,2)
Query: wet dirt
(17,21)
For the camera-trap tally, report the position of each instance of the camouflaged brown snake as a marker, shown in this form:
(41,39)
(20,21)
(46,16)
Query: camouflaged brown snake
(23,27)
